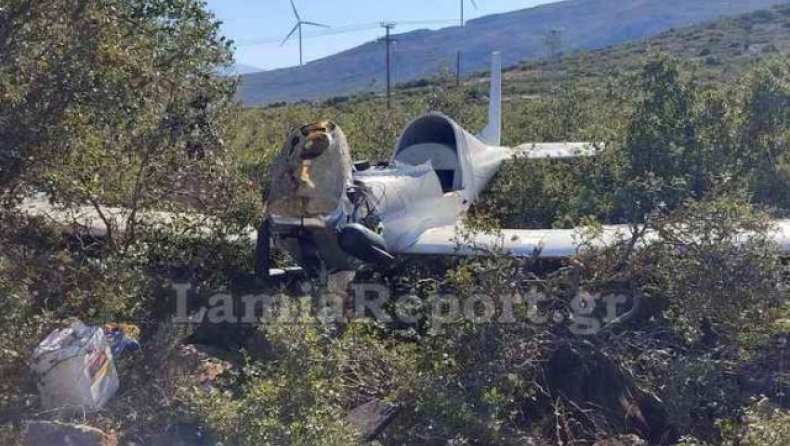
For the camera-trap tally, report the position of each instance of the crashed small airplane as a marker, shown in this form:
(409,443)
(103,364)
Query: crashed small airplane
(332,214)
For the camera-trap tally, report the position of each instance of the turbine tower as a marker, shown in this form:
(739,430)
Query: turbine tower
(298,27)
(463,3)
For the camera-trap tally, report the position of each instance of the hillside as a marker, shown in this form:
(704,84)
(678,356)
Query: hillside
(720,50)
(586,24)
(239,70)
(242,69)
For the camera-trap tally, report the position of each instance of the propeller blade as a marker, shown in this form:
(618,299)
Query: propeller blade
(296,13)
(316,24)
(290,34)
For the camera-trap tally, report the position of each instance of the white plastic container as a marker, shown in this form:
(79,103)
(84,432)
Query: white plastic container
(75,368)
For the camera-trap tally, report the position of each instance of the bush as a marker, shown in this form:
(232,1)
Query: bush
(302,396)
(712,61)
(710,276)
(766,425)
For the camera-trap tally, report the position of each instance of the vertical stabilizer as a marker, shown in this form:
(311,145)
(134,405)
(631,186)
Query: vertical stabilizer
(492,134)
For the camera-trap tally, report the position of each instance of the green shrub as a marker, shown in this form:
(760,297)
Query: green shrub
(766,425)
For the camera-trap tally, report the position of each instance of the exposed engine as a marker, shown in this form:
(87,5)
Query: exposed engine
(311,175)
(316,211)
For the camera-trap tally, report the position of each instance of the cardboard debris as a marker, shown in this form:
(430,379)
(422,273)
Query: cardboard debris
(74,368)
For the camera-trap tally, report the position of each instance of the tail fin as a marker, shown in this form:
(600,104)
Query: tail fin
(492,134)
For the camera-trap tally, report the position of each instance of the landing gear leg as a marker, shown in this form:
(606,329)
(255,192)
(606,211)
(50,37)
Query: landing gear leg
(263,260)
(338,289)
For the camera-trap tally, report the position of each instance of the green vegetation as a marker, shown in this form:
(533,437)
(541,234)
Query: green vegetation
(723,50)
(697,158)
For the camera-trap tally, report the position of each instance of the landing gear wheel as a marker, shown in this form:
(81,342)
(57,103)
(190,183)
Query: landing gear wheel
(263,251)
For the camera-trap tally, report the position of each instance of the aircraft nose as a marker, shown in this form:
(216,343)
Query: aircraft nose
(317,143)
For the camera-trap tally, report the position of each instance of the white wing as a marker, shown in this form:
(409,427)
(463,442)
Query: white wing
(558,150)
(90,221)
(781,235)
(543,243)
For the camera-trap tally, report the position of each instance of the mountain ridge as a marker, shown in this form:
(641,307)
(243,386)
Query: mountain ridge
(520,35)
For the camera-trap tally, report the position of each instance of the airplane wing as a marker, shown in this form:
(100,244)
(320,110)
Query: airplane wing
(560,150)
(89,221)
(543,243)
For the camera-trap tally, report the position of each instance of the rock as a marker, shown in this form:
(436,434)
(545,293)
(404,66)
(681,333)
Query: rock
(46,433)
(371,418)
(623,440)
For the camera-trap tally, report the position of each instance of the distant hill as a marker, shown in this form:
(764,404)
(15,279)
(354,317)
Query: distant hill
(720,50)
(521,35)
(240,70)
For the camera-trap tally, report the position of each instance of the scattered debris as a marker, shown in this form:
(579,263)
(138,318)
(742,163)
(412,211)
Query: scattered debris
(200,364)
(47,433)
(530,441)
(623,440)
(74,368)
(371,418)
(122,339)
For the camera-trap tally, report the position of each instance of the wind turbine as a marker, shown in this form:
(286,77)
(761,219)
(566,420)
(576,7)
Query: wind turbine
(463,2)
(298,27)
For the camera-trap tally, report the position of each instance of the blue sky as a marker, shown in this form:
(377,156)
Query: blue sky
(259,26)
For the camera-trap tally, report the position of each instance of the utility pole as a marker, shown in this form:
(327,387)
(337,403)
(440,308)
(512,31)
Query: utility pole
(554,44)
(388,27)
(458,54)
(458,69)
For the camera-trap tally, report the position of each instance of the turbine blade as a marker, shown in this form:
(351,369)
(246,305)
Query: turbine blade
(290,34)
(296,13)
(316,24)
(474,3)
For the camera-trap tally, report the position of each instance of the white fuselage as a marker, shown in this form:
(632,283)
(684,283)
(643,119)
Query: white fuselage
(437,172)
(410,201)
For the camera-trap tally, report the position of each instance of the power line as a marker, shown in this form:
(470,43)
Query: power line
(278,82)
(330,32)
(286,80)
(339,30)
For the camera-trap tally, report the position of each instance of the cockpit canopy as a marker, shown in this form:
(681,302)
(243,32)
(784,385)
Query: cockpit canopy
(433,138)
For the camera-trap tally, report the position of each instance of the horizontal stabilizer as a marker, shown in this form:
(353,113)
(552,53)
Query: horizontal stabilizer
(557,150)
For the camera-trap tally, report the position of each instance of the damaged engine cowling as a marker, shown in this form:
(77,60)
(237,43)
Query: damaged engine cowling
(312,173)
(314,207)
